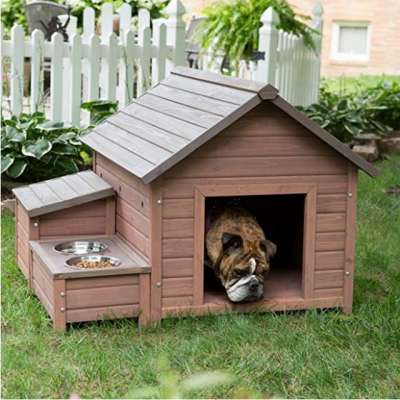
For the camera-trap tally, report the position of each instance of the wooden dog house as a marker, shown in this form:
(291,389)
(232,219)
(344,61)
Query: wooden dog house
(197,139)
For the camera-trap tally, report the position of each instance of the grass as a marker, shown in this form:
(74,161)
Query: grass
(352,85)
(302,354)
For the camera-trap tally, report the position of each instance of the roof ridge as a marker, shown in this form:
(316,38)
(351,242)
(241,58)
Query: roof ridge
(264,90)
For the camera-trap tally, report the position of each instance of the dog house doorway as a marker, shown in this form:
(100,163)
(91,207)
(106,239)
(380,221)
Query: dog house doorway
(287,215)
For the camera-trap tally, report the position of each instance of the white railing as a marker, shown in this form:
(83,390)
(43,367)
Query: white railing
(120,66)
(92,66)
(288,63)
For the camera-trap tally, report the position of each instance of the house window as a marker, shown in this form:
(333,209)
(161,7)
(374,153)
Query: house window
(350,41)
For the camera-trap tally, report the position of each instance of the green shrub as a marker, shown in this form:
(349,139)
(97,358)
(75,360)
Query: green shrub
(33,149)
(375,109)
(231,27)
(99,109)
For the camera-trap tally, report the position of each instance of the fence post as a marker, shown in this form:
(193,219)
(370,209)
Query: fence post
(159,41)
(175,34)
(17,69)
(268,43)
(317,24)
(75,80)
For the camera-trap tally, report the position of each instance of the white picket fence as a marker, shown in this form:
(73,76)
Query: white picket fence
(288,64)
(109,66)
(90,66)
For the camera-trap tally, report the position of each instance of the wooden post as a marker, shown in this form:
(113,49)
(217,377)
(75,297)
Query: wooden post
(351,213)
(156,248)
(176,31)
(145,307)
(268,43)
(59,304)
(17,69)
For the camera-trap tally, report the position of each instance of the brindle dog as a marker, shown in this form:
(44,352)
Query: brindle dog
(239,253)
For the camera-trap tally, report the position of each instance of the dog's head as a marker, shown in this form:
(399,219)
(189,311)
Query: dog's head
(242,266)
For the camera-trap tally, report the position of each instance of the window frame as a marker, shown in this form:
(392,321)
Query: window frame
(338,56)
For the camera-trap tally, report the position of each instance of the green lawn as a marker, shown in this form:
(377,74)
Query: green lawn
(349,85)
(302,354)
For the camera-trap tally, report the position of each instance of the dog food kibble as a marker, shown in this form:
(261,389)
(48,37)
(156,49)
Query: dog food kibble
(94,264)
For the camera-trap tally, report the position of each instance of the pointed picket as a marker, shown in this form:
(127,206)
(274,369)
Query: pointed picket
(89,23)
(126,70)
(144,65)
(17,69)
(160,44)
(75,87)
(108,76)
(56,76)
(37,43)
(125,18)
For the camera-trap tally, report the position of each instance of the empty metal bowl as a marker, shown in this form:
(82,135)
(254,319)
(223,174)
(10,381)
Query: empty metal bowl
(80,247)
(93,262)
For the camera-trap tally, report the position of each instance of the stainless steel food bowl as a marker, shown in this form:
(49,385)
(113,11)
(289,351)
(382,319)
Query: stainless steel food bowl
(74,261)
(80,247)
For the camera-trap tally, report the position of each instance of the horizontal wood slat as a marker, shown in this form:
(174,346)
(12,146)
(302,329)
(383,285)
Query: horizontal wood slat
(175,248)
(82,283)
(329,279)
(179,208)
(91,209)
(133,236)
(331,203)
(174,287)
(256,166)
(330,241)
(329,260)
(258,146)
(133,216)
(326,293)
(72,226)
(177,301)
(99,313)
(184,187)
(177,267)
(178,228)
(331,222)
(102,296)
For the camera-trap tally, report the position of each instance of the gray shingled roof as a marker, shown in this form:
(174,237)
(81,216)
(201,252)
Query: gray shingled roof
(184,111)
(59,193)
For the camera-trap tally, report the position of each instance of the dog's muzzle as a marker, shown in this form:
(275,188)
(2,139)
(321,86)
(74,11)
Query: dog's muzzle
(247,288)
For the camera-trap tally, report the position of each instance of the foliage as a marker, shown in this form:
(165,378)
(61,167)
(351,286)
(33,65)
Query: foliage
(171,385)
(232,27)
(33,149)
(309,354)
(376,109)
(99,109)
(155,7)
(13,12)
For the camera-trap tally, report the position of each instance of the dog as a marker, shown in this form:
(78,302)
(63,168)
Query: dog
(239,253)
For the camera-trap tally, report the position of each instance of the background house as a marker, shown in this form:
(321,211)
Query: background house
(359,36)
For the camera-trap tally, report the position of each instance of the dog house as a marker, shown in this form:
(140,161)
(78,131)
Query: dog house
(195,141)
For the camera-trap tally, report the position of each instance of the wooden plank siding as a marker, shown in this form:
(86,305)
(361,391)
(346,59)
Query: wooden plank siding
(261,148)
(132,205)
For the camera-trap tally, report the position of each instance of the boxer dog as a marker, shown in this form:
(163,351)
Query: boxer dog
(239,253)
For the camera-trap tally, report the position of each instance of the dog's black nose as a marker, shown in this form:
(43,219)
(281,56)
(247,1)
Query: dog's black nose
(253,286)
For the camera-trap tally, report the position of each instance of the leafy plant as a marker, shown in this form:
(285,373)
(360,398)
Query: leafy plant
(375,109)
(232,27)
(13,12)
(33,149)
(100,109)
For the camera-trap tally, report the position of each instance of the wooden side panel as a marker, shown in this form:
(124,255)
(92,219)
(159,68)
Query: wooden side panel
(85,219)
(42,285)
(132,205)
(264,147)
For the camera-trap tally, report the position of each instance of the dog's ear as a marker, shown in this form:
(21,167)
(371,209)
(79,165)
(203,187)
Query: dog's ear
(230,242)
(268,248)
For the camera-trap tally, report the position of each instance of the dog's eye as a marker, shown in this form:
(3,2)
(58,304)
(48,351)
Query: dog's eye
(241,272)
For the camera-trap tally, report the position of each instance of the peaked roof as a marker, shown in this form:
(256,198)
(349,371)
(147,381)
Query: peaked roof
(59,193)
(184,111)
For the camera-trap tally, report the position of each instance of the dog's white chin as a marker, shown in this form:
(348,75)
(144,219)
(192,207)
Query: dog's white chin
(238,291)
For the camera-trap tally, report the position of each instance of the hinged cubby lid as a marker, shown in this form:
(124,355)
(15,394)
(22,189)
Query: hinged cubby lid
(64,192)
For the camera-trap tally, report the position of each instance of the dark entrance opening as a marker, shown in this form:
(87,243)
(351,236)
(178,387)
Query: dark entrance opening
(282,220)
